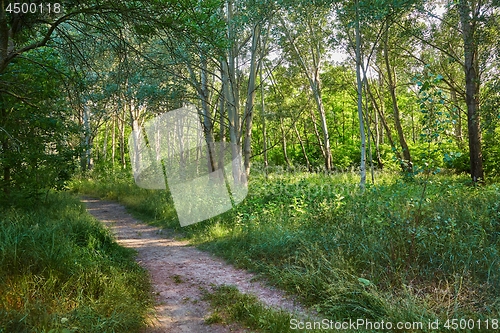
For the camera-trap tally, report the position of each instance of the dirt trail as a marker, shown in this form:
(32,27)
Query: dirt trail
(178,271)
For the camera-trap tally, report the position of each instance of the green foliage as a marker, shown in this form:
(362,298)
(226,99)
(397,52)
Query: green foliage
(435,149)
(491,128)
(491,152)
(63,272)
(36,132)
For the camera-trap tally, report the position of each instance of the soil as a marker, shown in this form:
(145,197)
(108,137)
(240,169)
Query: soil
(179,272)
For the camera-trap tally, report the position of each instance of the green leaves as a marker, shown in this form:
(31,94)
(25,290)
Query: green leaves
(35,151)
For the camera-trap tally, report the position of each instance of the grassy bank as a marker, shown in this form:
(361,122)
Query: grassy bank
(409,251)
(61,271)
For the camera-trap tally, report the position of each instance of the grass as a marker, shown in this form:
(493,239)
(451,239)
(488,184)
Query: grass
(232,306)
(63,272)
(409,250)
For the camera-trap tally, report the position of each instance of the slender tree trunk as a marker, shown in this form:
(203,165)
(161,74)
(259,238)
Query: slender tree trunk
(458,116)
(318,137)
(343,122)
(207,122)
(5,148)
(247,145)
(283,140)
(87,160)
(122,141)
(233,88)
(302,146)
(370,132)
(384,123)
(472,85)
(105,142)
(406,164)
(324,125)
(362,168)
(113,142)
(315,84)
(376,136)
(232,120)
(263,116)
(6,169)
(222,132)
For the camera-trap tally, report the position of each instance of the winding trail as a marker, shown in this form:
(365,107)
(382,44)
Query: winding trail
(179,272)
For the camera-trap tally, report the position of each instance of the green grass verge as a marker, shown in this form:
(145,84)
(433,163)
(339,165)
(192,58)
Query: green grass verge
(61,271)
(232,306)
(403,251)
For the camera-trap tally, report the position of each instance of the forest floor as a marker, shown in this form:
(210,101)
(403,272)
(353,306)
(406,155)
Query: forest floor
(180,273)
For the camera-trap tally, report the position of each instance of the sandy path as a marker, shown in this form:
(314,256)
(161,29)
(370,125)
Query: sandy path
(178,271)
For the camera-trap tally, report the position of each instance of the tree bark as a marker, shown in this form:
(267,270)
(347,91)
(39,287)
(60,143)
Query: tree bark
(122,141)
(302,146)
(248,118)
(468,20)
(406,163)
(362,167)
(384,122)
(263,116)
(283,141)
(318,137)
(113,142)
(458,115)
(207,122)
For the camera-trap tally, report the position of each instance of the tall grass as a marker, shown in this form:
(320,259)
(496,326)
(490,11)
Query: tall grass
(61,271)
(413,250)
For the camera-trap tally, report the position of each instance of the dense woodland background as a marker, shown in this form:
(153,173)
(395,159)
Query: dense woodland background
(369,131)
(410,85)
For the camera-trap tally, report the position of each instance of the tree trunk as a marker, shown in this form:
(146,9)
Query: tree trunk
(105,141)
(406,163)
(263,116)
(247,145)
(86,161)
(283,140)
(313,77)
(458,115)
(122,141)
(304,151)
(362,167)
(324,125)
(318,137)
(384,122)
(222,132)
(468,19)
(113,142)
(6,169)
(232,119)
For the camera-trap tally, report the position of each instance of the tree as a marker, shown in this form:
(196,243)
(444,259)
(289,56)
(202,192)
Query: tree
(309,55)
(470,16)
(23,40)
(362,167)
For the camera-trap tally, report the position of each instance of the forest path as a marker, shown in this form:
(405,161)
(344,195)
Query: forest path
(179,272)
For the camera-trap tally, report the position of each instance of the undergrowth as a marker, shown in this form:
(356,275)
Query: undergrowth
(232,306)
(62,272)
(412,250)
